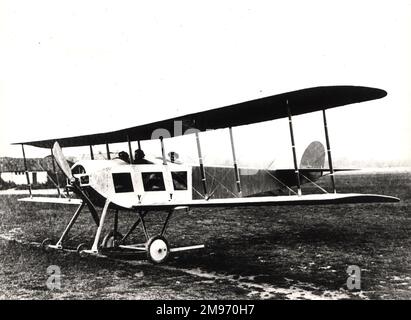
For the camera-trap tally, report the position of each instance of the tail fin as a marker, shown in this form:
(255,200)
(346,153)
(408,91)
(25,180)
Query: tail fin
(313,156)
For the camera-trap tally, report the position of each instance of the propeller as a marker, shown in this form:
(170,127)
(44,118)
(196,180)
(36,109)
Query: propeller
(62,162)
(65,168)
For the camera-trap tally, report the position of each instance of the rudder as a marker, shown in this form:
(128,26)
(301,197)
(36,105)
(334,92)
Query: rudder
(313,156)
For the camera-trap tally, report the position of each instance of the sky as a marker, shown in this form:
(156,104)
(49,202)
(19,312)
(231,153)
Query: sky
(76,67)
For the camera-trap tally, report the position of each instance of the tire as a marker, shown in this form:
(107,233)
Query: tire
(45,244)
(108,241)
(81,247)
(157,249)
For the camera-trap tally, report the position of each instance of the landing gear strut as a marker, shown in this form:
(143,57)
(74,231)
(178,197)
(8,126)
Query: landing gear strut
(111,240)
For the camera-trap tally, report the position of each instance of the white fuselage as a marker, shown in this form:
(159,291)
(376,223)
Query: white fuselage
(128,185)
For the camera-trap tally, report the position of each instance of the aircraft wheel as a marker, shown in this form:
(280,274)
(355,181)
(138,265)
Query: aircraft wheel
(81,247)
(108,241)
(45,244)
(157,249)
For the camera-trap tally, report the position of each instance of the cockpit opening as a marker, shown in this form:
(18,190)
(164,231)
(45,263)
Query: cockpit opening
(78,169)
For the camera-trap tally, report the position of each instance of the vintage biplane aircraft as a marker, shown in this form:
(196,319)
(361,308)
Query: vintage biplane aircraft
(145,185)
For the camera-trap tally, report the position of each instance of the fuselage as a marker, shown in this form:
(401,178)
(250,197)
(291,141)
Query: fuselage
(128,185)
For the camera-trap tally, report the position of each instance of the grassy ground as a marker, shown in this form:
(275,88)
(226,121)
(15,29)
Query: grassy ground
(266,252)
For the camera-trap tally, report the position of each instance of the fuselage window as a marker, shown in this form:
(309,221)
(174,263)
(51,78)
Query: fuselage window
(179,180)
(153,181)
(122,182)
(78,169)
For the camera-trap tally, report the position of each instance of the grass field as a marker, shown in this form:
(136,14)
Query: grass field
(299,252)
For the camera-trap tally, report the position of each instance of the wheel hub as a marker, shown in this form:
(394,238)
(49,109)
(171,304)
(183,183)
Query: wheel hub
(157,250)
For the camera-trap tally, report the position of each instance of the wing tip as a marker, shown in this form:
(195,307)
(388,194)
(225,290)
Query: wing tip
(377,198)
(379,93)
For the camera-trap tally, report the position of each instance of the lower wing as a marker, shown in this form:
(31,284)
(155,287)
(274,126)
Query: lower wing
(308,199)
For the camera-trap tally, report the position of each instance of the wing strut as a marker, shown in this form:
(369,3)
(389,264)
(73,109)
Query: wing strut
(330,162)
(297,172)
(55,173)
(26,171)
(130,150)
(237,175)
(91,152)
(108,151)
(200,160)
(163,153)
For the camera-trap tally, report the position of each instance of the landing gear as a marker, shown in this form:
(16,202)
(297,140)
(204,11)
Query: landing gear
(157,249)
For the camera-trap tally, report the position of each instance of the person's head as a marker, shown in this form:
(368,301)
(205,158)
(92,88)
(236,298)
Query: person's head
(173,156)
(124,156)
(139,154)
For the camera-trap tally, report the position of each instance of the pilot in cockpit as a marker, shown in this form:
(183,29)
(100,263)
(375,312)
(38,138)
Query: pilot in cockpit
(124,156)
(139,157)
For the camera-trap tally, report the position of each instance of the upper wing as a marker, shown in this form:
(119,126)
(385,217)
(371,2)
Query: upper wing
(263,109)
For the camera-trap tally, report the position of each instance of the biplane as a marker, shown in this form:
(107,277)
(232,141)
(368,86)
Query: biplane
(144,185)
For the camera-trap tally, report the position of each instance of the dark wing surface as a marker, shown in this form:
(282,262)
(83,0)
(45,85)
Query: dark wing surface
(263,109)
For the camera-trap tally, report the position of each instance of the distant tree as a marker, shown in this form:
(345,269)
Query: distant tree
(4,185)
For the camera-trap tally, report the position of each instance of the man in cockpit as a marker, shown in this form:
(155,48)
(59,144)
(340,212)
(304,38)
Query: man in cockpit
(124,156)
(139,157)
